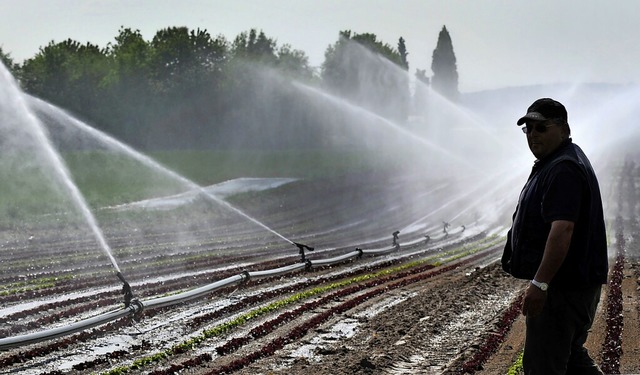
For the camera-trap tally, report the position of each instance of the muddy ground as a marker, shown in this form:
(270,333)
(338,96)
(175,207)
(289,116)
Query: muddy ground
(435,327)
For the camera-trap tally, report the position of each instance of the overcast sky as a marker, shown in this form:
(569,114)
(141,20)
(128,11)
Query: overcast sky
(497,43)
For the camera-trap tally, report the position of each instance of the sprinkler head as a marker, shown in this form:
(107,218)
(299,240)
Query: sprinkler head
(395,237)
(126,289)
(302,246)
(128,294)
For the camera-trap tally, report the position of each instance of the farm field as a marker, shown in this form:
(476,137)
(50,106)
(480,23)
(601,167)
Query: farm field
(434,301)
(191,205)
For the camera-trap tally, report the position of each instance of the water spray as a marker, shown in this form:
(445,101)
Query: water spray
(35,129)
(147,161)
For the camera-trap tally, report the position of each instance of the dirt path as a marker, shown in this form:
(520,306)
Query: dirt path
(630,361)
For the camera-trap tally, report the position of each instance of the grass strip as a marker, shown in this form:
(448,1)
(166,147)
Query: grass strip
(516,368)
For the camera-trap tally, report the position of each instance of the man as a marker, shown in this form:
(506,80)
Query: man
(558,242)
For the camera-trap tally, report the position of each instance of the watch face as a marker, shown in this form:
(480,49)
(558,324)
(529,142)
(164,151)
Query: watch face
(541,286)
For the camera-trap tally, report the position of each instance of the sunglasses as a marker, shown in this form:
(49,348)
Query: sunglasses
(539,127)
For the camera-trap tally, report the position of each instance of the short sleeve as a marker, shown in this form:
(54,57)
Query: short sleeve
(563,193)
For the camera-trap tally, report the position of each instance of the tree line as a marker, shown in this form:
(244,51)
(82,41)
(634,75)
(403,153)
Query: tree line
(187,89)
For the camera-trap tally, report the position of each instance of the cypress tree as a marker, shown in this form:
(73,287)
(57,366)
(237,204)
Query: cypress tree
(443,65)
(402,51)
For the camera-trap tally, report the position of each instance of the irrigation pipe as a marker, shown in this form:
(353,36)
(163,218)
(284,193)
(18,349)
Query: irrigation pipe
(17,341)
(137,306)
(193,293)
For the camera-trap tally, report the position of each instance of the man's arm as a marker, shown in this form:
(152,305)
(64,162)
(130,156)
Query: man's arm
(555,252)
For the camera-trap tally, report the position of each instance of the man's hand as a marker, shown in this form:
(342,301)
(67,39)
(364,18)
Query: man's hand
(534,300)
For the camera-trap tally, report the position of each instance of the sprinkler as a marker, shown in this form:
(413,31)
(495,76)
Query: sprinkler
(301,247)
(445,229)
(126,289)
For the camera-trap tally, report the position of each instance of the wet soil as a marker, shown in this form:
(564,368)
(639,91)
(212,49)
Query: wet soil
(428,328)
(433,328)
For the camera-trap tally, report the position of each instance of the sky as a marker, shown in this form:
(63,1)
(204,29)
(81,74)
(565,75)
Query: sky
(497,43)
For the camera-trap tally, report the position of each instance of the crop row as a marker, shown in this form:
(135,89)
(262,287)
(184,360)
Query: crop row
(107,298)
(492,341)
(44,321)
(39,351)
(244,318)
(612,346)
(300,330)
(87,303)
(40,283)
(409,273)
(443,257)
(100,299)
(43,284)
(43,350)
(611,350)
(43,254)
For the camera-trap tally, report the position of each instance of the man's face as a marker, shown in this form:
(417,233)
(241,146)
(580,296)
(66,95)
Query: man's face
(544,137)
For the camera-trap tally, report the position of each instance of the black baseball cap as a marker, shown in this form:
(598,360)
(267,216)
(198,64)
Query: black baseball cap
(545,109)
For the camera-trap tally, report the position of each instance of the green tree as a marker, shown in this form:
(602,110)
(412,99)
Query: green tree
(443,65)
(68,74)
(131,54)
(402,51)
(186,69)
(131,101)
(183,60)
(181,89)
(8,62)
(353,68)
(294,63)
(255,47)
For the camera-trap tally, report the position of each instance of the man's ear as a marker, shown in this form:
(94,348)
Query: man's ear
(567,129)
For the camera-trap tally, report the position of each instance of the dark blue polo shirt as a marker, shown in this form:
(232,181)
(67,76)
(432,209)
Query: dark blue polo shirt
(561,186)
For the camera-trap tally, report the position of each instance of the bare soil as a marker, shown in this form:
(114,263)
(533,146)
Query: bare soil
(426,329)
(436,327)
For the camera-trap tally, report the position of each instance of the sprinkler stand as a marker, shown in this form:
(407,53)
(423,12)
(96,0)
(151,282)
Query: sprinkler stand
(126,289)
(301,247)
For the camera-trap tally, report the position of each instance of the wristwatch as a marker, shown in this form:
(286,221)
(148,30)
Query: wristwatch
(542,286)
